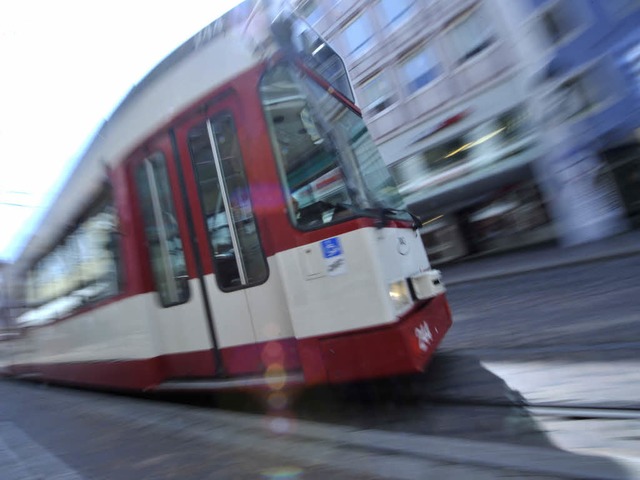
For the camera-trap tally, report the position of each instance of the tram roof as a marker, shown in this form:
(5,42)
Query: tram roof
(214,55)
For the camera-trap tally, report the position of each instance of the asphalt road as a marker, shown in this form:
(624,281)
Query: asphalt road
(55,433)
(567,337)
(587,305)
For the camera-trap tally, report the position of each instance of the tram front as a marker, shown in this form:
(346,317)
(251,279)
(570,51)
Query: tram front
(363,299)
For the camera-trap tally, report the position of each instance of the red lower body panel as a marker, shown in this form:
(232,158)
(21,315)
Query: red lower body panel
(117,374)
(147,373)
(398,348)
(402,347)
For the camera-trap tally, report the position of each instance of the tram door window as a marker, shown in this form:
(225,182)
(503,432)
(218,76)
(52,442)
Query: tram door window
(161,230)
(224,194)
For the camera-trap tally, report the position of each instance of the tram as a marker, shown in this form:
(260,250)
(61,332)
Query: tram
(231,225)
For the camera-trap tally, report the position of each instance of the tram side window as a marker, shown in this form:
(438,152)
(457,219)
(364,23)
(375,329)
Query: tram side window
(95,245)
(84,267)
(224,193)
(164,243)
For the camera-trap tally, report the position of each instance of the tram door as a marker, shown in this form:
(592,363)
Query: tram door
(232,262)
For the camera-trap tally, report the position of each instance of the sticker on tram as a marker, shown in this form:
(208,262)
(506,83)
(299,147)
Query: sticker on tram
(424,336)
(333,256)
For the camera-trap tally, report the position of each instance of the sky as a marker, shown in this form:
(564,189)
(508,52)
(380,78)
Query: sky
(66,64)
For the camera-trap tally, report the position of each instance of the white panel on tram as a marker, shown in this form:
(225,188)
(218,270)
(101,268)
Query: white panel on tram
(231,316)
(268,306)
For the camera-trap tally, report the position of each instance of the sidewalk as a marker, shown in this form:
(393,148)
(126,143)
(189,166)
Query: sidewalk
(545,258)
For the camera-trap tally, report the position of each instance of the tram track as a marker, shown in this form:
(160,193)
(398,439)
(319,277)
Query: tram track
(379,396)
(562,348)
(574,411)
(522,423)
(386,402)
(586,412)
(405,407)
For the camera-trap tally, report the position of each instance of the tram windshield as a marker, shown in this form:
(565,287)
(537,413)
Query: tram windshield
(331,168)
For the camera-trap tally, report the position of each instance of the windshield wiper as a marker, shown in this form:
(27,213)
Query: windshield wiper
(386,211)
(381,214)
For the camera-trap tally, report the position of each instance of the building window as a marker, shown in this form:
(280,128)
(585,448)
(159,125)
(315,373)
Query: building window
(311,11)
(561,19)
(576,97)
(471,36)
(395,12)
(161,231)
(447,154)
(409,170)
(513,124)
(358,35)
(583,92)
(618,8)
(376,95)
(420,69)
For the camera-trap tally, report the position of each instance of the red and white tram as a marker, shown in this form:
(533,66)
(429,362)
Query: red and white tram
(231,225)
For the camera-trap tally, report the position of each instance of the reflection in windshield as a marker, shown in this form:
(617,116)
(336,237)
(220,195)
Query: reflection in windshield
(331,166)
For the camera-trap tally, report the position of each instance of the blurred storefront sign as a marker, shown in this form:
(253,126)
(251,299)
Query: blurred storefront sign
(579,188)
(631,63)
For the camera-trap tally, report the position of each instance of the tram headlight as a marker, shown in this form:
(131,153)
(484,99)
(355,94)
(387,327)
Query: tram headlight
(400,296)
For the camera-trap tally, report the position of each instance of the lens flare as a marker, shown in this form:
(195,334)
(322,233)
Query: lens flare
(280,425)
(282,472)
(272,353)
(277,400)
(275,376)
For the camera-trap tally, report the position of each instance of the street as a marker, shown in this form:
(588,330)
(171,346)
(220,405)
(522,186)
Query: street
(591,305)
(545,360)
(566,338)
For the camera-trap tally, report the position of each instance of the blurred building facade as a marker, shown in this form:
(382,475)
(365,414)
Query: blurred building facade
(458,95)
(4,297)
(590,115)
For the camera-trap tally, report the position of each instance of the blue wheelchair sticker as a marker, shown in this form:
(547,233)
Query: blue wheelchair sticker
(333,256)
(331,247)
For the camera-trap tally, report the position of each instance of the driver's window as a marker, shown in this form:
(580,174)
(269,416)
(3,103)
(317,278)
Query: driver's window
(306,154)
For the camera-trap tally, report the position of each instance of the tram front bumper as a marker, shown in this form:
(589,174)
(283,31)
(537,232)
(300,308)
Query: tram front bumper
(403,347)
